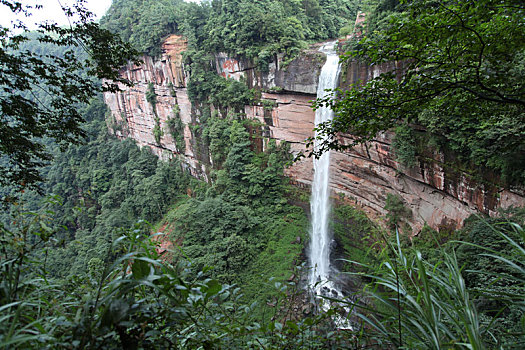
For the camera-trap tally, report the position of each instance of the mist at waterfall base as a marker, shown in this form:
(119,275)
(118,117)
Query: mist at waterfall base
(321,273)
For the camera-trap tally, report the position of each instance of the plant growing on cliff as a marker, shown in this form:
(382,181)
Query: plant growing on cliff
(397,211)
(176,128)
(157,132)
(151,97)
(171,88)
(404,147)
(353,231)
(268,105)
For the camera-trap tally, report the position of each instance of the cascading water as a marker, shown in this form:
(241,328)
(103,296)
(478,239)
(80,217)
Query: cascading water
(320,201)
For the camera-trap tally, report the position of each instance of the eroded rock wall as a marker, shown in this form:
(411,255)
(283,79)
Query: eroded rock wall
(287,115)
(438,195)
(365,175)
(133,116)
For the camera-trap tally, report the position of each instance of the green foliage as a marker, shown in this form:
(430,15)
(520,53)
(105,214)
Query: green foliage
(205,86)
(422,306)
(378,14)
(460,76)
(105,184)
(176,111)
(132,298)
(245,245)
(157,132)
(488,242)
(144,23)
(242,227)
(257,30)
(397,211)
(353,230)
(261,29)
(277,255)
(416,304)
(139,301)
(346,30)
(404,147)
(173,93)
(151,97)
(176,128)
(429,241)
(268,105)
(45,77)
(79,282)
(218,133)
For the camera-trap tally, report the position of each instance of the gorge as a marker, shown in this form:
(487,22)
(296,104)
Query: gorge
(437,193)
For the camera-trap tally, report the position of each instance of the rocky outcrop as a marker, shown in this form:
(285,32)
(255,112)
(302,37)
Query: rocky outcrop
(298,76)
(286,113)
(436,193)
(291,119)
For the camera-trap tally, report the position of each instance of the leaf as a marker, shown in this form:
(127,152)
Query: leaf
(214,287)
(140,269)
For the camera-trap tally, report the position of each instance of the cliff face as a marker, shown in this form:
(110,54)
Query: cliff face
(133,116)
(289,118)
(438,195)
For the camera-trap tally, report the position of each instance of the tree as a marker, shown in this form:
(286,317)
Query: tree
(40,92)
(144,23)
(460,76)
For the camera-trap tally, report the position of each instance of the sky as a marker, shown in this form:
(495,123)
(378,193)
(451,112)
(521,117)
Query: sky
(51,11)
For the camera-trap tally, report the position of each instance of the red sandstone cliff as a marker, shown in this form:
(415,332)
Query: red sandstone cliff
(436,195)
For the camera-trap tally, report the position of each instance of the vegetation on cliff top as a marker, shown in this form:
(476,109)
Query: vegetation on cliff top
(255,29)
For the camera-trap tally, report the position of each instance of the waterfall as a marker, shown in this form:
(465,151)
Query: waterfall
(320,238)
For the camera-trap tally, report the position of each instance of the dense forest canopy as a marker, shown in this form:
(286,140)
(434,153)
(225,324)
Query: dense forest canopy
(240,27)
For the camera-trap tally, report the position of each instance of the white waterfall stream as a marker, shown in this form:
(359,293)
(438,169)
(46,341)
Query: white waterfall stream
(320,238)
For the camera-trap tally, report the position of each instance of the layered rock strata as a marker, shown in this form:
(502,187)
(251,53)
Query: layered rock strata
(436,193)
